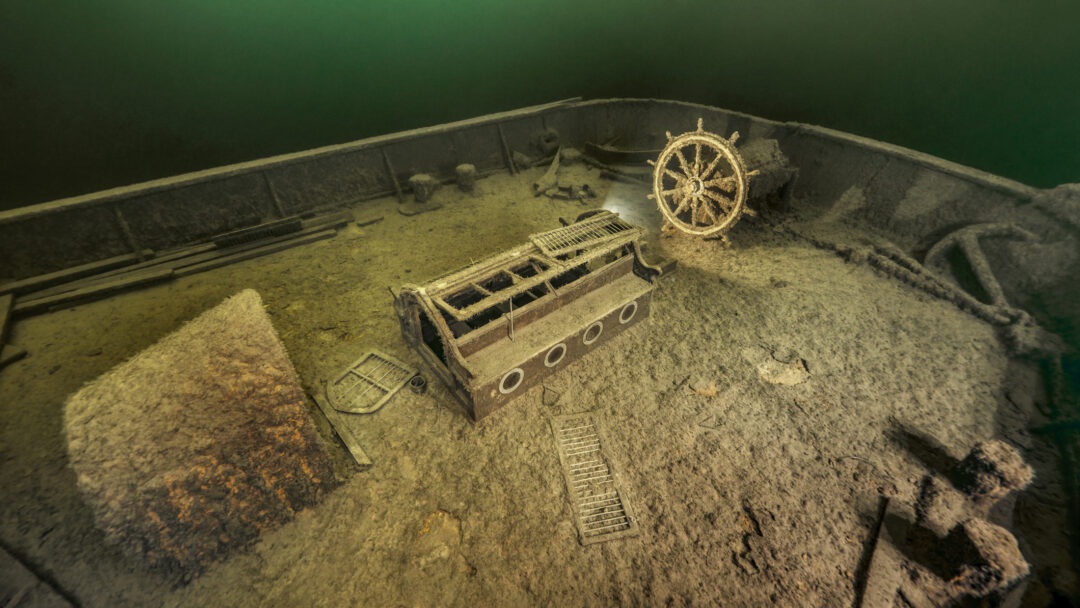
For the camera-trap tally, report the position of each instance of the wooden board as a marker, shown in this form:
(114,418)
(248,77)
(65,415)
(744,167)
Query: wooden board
(5,316)
(69,274)
(23,307)
(239,256)
(160,260)
(338,423)
(196,254)
(10,354)
(21,588)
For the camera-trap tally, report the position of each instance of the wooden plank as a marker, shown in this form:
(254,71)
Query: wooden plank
(264,230)
(10,354)
(5,316)
(274,195)
(393,177)
(193,255)
(22,587)
(247,254)
(339,424)
(68,274)
(878,578)
(160,260)
(507,154)
(93,292)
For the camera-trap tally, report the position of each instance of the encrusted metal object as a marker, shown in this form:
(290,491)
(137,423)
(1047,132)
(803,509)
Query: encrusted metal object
(418,384)
(700,182)
(368,384)
(599,505)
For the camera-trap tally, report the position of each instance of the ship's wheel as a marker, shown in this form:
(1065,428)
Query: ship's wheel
(700,182)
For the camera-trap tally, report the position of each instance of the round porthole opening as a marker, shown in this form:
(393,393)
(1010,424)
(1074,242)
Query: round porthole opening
(628,312)
(555,355)
(593,333)
(511,381)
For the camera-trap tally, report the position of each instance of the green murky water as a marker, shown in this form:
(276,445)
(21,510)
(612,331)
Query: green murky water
(95,95)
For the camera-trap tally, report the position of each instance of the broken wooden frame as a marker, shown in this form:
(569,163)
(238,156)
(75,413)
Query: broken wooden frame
(497,327)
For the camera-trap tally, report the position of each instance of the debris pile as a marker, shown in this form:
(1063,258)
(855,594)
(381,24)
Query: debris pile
(991,470)
(549,185)
(950,554)
(983,557)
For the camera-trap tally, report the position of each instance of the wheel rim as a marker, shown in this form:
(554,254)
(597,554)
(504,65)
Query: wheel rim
(699,182)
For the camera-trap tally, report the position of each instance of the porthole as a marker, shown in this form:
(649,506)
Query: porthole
(592,334)
(555,355)
(511,381)
(628,312)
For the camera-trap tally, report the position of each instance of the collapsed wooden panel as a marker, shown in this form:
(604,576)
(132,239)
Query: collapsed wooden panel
(198,445)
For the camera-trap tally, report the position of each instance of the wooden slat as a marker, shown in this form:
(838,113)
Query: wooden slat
(160,260)
(93,292)
(195,254)
(68,274)
(340,426)
(35,303)
(254,233)
(523,285)
(21,587)
(224,259)
(5,316)
(10,354)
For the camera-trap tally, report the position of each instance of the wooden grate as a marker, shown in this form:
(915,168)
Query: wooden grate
(581,235)
(599,505)
(368,383)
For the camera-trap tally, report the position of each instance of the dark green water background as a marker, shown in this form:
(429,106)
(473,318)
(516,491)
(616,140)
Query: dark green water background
(95,94)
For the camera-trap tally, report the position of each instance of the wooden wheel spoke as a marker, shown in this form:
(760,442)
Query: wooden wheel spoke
(682,206)
(694,210)
(682,162)
(726,204)
(706,208)
(678,178)
(727,184)
(712,166)
(697,158)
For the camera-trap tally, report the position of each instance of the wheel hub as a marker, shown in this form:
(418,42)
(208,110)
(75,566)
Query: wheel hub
(695,186)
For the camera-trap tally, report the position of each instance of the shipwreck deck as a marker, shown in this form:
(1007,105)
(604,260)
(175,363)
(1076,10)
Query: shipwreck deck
(750,488)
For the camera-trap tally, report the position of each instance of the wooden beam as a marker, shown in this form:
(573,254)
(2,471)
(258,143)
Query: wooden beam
(223,258)
(340,425)
(509,156)
(67,274)
(5,316)
(192,255)
(93,292)
(393,176)
(10,354)
(132,240)
(273,195)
